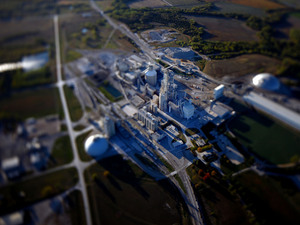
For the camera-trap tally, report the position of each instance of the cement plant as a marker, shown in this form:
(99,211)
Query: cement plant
(131,112)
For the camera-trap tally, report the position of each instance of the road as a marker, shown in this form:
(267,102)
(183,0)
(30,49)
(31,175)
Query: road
(76,162)
(192,203)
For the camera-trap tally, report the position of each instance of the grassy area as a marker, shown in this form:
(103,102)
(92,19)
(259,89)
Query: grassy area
(146,161)
(18,79)
(72,55)
(33,103)
(228,7)
(168,165)
(121,193)
(272,200)
(80,146)
(18,195)
(241,65)
(192,131)
(176,176)
(76,208)
(225,29)
(253,129)
(61,152)
(146,3)
(220,206)
(74,106)
(88,32)
(79,127)
(261,4)
(110,92)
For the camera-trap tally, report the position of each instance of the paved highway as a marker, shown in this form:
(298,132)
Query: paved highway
(76,162)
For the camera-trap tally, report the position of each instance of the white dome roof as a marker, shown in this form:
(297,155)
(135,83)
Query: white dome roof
(266,81)
(96,145)
(151,73)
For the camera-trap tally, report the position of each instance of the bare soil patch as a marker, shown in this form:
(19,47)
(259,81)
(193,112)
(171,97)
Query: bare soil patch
(223,29)
(241,65)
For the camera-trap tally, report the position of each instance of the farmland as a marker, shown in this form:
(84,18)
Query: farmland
(228,7)
(261,4)
(34,103)
(147,3)
(241,65)
(121,193)
(223,29)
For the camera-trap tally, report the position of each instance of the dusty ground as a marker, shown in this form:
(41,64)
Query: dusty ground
(241,65)
(222,29)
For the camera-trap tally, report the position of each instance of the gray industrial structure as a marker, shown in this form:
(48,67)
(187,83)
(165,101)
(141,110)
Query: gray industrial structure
(148,119)
(109,127)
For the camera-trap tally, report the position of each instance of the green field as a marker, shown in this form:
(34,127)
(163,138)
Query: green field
(124,194)
(61,152)
(269,139)
(76,208)
(110,92)
(36,189)
(74,106)
(220,206)
(80,146)
(33,103)
(273,200)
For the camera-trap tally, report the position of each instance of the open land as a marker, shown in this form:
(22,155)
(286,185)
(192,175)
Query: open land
(271,140)
(222,207)
(223,29)
(263,4)
(228,7)
(241,65)
(127,195)
(36,189)
(273,199)
(33,103)
(146,3)
(284,27)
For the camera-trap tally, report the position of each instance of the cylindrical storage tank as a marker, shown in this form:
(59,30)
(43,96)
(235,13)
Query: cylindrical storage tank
(151,76)
(96,145)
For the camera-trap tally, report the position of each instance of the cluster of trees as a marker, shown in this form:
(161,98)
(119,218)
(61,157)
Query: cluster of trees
(286,50)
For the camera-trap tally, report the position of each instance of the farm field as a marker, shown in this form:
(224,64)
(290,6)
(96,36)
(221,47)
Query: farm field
(241,65)
(33,103)
(275,200)
(22,31)
(228,7)
(261,4)
(291,22)
(147,3)
(121,193)
(223,29)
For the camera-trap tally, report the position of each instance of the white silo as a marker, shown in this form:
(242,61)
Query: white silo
(151,76)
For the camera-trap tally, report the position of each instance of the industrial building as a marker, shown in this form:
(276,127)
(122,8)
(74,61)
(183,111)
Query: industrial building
(148,119)
(96,145)
(188,110)
(217,113)
(218,91)
(275,110)
(168,91)
(109,126)
(12,167)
